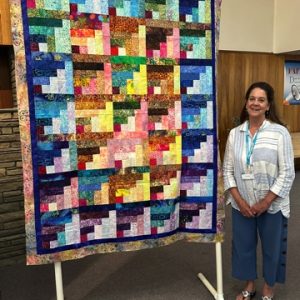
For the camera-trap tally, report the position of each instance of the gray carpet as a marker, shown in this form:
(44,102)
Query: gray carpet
(162,273)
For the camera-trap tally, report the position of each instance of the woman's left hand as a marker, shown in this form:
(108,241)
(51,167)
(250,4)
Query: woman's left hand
(260,207)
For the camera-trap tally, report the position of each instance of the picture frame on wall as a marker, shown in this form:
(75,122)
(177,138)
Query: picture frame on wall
(291,83)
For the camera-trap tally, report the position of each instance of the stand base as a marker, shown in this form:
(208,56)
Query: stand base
(217,294)
(208,285)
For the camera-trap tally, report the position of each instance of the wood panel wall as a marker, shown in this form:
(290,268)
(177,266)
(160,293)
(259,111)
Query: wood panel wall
(236,71)
(5,28)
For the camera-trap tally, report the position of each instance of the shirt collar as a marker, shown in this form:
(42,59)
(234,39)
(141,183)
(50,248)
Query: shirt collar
(244,126)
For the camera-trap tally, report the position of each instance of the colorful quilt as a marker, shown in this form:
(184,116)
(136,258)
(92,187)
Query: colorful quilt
(117,109)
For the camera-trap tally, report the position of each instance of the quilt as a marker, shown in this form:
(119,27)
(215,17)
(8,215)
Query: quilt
(118,124)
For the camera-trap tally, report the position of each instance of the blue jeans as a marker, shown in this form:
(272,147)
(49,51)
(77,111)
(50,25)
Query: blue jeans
(272,230)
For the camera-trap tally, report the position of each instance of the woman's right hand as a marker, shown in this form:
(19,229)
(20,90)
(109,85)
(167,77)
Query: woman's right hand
(245,209)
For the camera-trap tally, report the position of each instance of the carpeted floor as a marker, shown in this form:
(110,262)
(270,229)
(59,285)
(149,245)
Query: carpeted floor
(162,273)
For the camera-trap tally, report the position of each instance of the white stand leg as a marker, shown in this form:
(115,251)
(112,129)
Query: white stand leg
(58,281)
(218,294)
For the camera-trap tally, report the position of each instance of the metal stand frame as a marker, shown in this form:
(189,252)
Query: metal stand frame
(218,294)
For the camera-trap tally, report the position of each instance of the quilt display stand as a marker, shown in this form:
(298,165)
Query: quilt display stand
(118,126)
(218,294)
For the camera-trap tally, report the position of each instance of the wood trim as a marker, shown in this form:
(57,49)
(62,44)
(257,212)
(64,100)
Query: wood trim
(1,36)
(296,143)
(5,26)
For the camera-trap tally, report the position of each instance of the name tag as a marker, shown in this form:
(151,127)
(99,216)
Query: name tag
(247,176)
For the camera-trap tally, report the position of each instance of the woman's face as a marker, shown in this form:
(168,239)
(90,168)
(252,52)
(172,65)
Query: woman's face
(295,92)
(257,104)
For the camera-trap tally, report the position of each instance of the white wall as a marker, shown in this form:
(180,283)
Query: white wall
(247,25)
(286,26)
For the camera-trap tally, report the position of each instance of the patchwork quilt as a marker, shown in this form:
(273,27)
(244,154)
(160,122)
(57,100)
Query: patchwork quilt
(118,124)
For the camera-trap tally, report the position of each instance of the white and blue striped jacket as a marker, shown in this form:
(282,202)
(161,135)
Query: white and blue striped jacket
(272,165)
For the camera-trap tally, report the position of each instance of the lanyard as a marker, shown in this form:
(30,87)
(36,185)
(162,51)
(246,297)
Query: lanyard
(249,148)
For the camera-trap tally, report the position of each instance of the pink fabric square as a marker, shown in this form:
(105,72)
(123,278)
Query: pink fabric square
(31,3)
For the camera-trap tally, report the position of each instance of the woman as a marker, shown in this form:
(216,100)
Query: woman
(258,175)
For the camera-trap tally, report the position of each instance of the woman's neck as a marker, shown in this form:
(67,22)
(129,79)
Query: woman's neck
(254,125)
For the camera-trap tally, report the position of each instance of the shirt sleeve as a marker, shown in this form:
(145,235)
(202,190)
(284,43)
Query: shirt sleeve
(286,170)
(228,164)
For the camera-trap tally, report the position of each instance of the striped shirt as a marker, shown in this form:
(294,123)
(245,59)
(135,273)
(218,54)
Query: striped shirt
(272,164)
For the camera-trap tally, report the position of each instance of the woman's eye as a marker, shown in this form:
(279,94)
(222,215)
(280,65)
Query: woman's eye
(260,99)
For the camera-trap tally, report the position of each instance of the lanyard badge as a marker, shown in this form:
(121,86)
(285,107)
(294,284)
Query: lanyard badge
(249,148)
(249,151)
